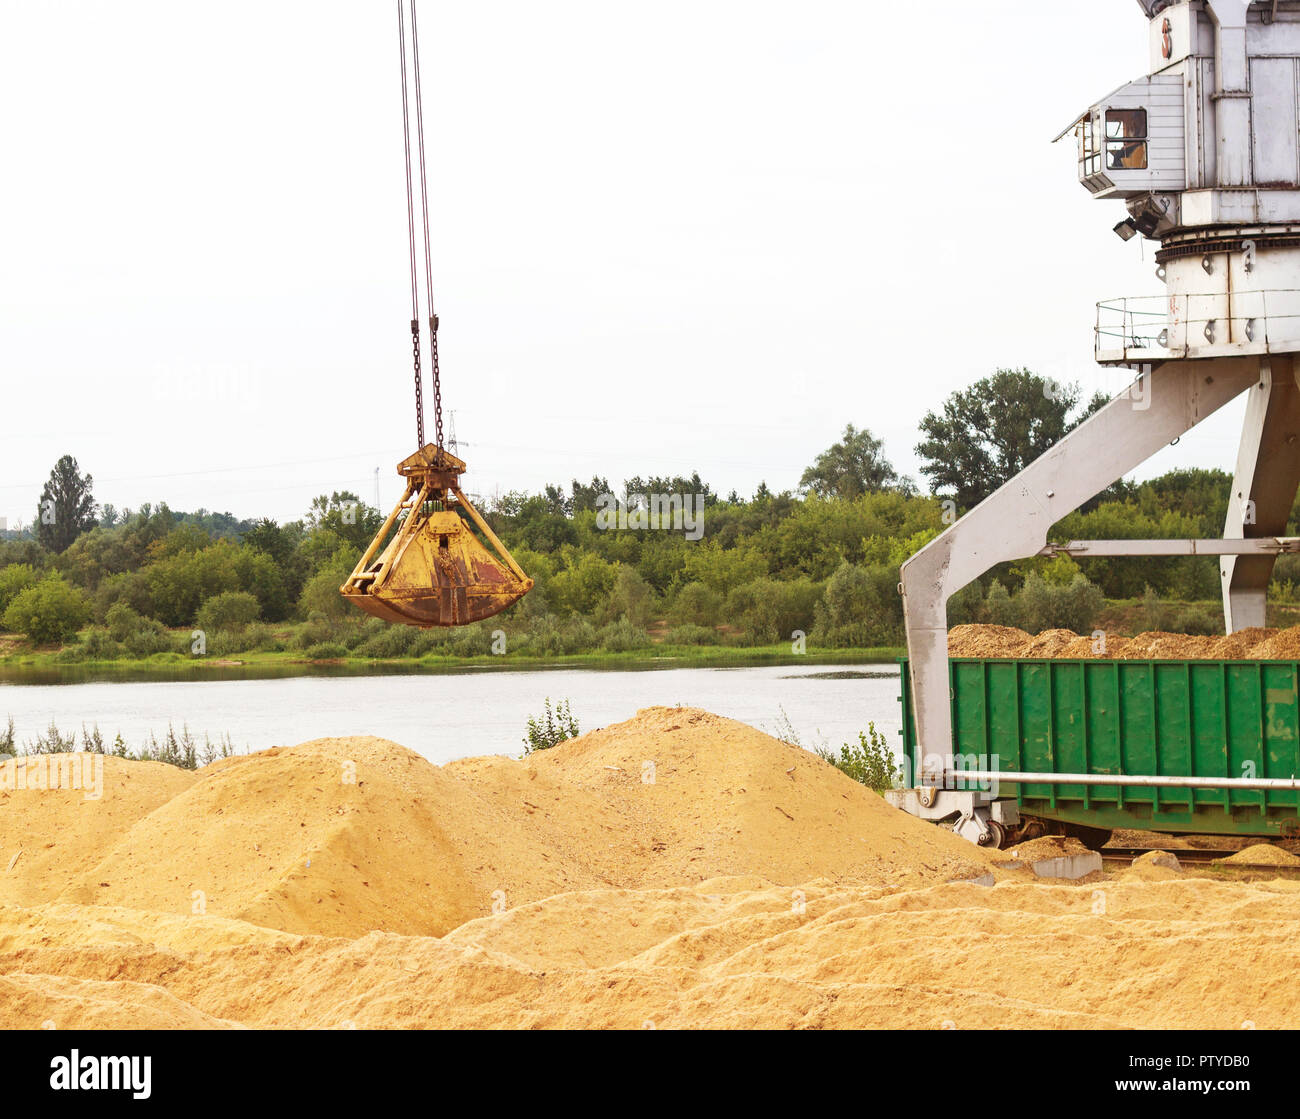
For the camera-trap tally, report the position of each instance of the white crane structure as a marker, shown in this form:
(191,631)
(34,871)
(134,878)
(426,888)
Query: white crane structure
(1205,154)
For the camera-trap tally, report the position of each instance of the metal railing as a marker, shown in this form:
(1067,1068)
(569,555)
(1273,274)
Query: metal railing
(1168,326)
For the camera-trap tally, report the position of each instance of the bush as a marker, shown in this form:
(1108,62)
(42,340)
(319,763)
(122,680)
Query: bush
(327,651)
(49,611)
(771,610)
(692,635)
(622,637)
(15,578)
(391,642)
(1000,609)
(472,641)
(140,636)
(869,761)
(861,608)
(550,728)
(1198,620)
(98,645)
(320,595)
(696,604)
(229,611)
(1046,606)
(148,640)
(122,621)
(131,588)
(631,597)
(314,631)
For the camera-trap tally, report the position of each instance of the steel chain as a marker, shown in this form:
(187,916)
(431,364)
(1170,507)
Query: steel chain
(419,383)
(437,382)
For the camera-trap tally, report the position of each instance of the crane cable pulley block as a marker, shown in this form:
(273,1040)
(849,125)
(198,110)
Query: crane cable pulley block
(435,562)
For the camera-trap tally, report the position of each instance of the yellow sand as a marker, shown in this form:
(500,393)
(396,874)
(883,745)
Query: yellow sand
(732,881)
(1263,854)
(993,642)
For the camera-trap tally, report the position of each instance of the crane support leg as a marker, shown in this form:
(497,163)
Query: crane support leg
(1263,490)
(1014,521)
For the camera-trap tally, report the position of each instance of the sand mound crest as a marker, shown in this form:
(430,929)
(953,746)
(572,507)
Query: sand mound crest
(339,837)
(1263,854)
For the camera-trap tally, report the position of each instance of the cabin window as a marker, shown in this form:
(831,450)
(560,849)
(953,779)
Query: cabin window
(1089,149)
(1126,139)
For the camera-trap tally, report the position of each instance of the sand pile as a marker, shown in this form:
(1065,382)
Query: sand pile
(729,953)
(1263,854)
(340,837)
(994,642)
(676,870)
(52,835)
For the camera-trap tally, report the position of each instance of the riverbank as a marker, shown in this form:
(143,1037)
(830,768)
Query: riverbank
(52,666)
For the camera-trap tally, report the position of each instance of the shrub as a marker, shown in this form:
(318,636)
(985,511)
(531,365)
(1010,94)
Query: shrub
(1156,615)
(630,597)
(320,594)
(861,607)
(692,635)
(49,611)
(390,642)
(314,631)
(122,621)
(327,651)
(1045,606)
(622,637)
(131,588)
(473,641)
(15,578)
(140,636)
(98,645)
(696,604)
(1200,620)
(770,610)
(550,728)
(149,639)
(229,611)
(430,641)
(869,761)
(1000,608)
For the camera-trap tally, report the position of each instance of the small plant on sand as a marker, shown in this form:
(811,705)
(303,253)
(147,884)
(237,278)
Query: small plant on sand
(550,728)
(869,761)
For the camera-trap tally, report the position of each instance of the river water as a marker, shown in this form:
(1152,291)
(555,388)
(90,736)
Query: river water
(454,715)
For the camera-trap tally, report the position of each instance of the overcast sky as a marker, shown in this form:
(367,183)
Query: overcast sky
(668,237)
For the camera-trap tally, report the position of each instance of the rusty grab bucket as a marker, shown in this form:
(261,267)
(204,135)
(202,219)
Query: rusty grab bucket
(435,571)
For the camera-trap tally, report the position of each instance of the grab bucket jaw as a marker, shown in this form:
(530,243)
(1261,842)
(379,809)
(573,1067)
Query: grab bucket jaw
(427,567)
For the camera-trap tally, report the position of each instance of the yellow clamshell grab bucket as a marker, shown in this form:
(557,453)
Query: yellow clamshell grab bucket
(427,567)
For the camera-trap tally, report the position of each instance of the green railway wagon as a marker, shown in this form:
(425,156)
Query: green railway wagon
(1209,720)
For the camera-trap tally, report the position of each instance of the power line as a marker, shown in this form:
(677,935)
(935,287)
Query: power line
(218,469)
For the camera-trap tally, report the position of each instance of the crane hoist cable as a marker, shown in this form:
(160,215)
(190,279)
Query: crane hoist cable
(411,82)
(435,561)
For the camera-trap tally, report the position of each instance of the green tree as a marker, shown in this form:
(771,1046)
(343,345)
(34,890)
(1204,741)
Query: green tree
(15,578)
(49,611)
(67,507)
(631,597)
(852,467)
(984,435)
(229,612)
(321,595)
(346,516)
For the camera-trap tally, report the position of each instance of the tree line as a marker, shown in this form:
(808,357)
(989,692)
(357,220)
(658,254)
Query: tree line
(821,560)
